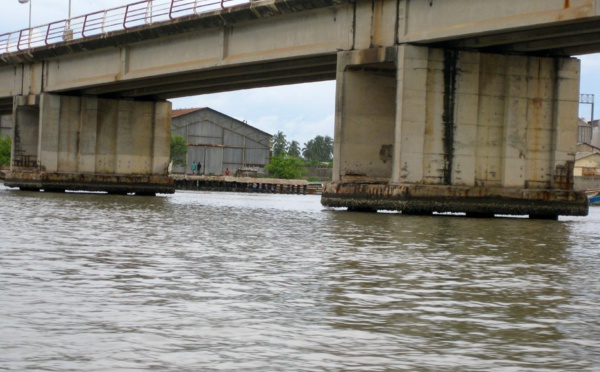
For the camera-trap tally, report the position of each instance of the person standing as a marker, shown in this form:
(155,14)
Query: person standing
(199,168)
(194,167)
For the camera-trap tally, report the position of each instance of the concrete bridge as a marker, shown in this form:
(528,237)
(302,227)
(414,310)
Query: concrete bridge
(441,105)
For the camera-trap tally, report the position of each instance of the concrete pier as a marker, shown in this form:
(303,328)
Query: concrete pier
(425,130)
(91,144)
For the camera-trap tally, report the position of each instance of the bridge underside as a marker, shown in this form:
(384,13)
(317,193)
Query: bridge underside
(91,144)
(426,130)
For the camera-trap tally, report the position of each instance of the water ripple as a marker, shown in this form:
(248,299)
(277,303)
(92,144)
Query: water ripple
(254,282)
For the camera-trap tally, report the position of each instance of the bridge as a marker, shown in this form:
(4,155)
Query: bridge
(441,105)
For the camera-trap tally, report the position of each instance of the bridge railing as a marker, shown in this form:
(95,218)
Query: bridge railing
(125,17)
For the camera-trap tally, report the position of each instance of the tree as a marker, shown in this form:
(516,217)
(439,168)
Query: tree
(5,145)
(280,144)
(286,167)
(294,149)
(318,149)
(179,149)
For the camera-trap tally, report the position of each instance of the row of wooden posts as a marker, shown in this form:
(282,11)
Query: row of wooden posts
(259,187)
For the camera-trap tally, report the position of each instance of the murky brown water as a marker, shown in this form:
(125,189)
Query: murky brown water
(254,282)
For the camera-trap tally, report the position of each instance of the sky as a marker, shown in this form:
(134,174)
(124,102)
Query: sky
(300,111)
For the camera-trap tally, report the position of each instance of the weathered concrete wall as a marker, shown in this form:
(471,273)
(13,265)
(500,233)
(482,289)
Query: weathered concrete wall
(25,130)
(485,119)
(587,183)
(365,116)
(372,24)
(442,19)
(457,118)
(414,111)
(587,166)
(467,120)
(87,135)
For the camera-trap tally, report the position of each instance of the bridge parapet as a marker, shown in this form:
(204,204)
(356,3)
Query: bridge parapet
(102,23)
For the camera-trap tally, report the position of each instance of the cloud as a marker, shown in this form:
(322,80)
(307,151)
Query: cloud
(300,111)
(590,84)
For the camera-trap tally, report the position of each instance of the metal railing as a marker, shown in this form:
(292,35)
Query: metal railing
(125,17)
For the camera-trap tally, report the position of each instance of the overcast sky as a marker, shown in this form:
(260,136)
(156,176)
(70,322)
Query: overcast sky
(300,111)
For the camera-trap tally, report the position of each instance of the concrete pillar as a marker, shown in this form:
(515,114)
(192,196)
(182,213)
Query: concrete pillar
(564,132)
(467,119)
(410,118)
(89,143)
(161,138)
(490,119)
(514,149)
(25,133)
(472,132)
(365,116)
(88,135)
(541,80)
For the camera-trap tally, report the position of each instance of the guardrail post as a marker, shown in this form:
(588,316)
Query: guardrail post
(171,10)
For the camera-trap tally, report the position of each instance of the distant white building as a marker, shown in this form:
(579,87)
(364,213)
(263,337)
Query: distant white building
(219,142)
(595,133)
(586,172)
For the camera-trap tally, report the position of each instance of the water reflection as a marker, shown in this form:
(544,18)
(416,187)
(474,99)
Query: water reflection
(210,281)
(452,286)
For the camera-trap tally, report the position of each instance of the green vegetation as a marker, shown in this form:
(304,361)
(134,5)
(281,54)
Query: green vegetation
(287,161)
(287,167)
(179,149)
(280,144)
(316,151)
(5,145)
(294,149)
(319,149)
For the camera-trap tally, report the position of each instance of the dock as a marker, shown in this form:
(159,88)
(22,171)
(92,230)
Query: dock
(241,184)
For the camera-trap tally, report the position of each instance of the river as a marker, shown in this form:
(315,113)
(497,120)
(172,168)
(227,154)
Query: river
(206,281)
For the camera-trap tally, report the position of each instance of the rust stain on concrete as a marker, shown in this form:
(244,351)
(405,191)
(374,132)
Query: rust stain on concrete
(426,199)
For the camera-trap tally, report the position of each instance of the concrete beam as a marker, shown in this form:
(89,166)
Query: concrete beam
(147,69)
(440,20)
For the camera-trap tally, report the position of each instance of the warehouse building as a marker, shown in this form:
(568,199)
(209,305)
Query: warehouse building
(219,142)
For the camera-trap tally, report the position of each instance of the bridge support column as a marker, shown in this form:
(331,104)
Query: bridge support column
(425,130)
(91,144)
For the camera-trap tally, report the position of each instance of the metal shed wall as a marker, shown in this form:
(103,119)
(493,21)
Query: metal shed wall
(218,142)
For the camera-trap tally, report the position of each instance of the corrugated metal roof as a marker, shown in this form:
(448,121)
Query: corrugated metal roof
(180,112)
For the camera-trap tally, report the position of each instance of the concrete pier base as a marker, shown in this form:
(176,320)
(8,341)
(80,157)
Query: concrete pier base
(474,201)
(113,184)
